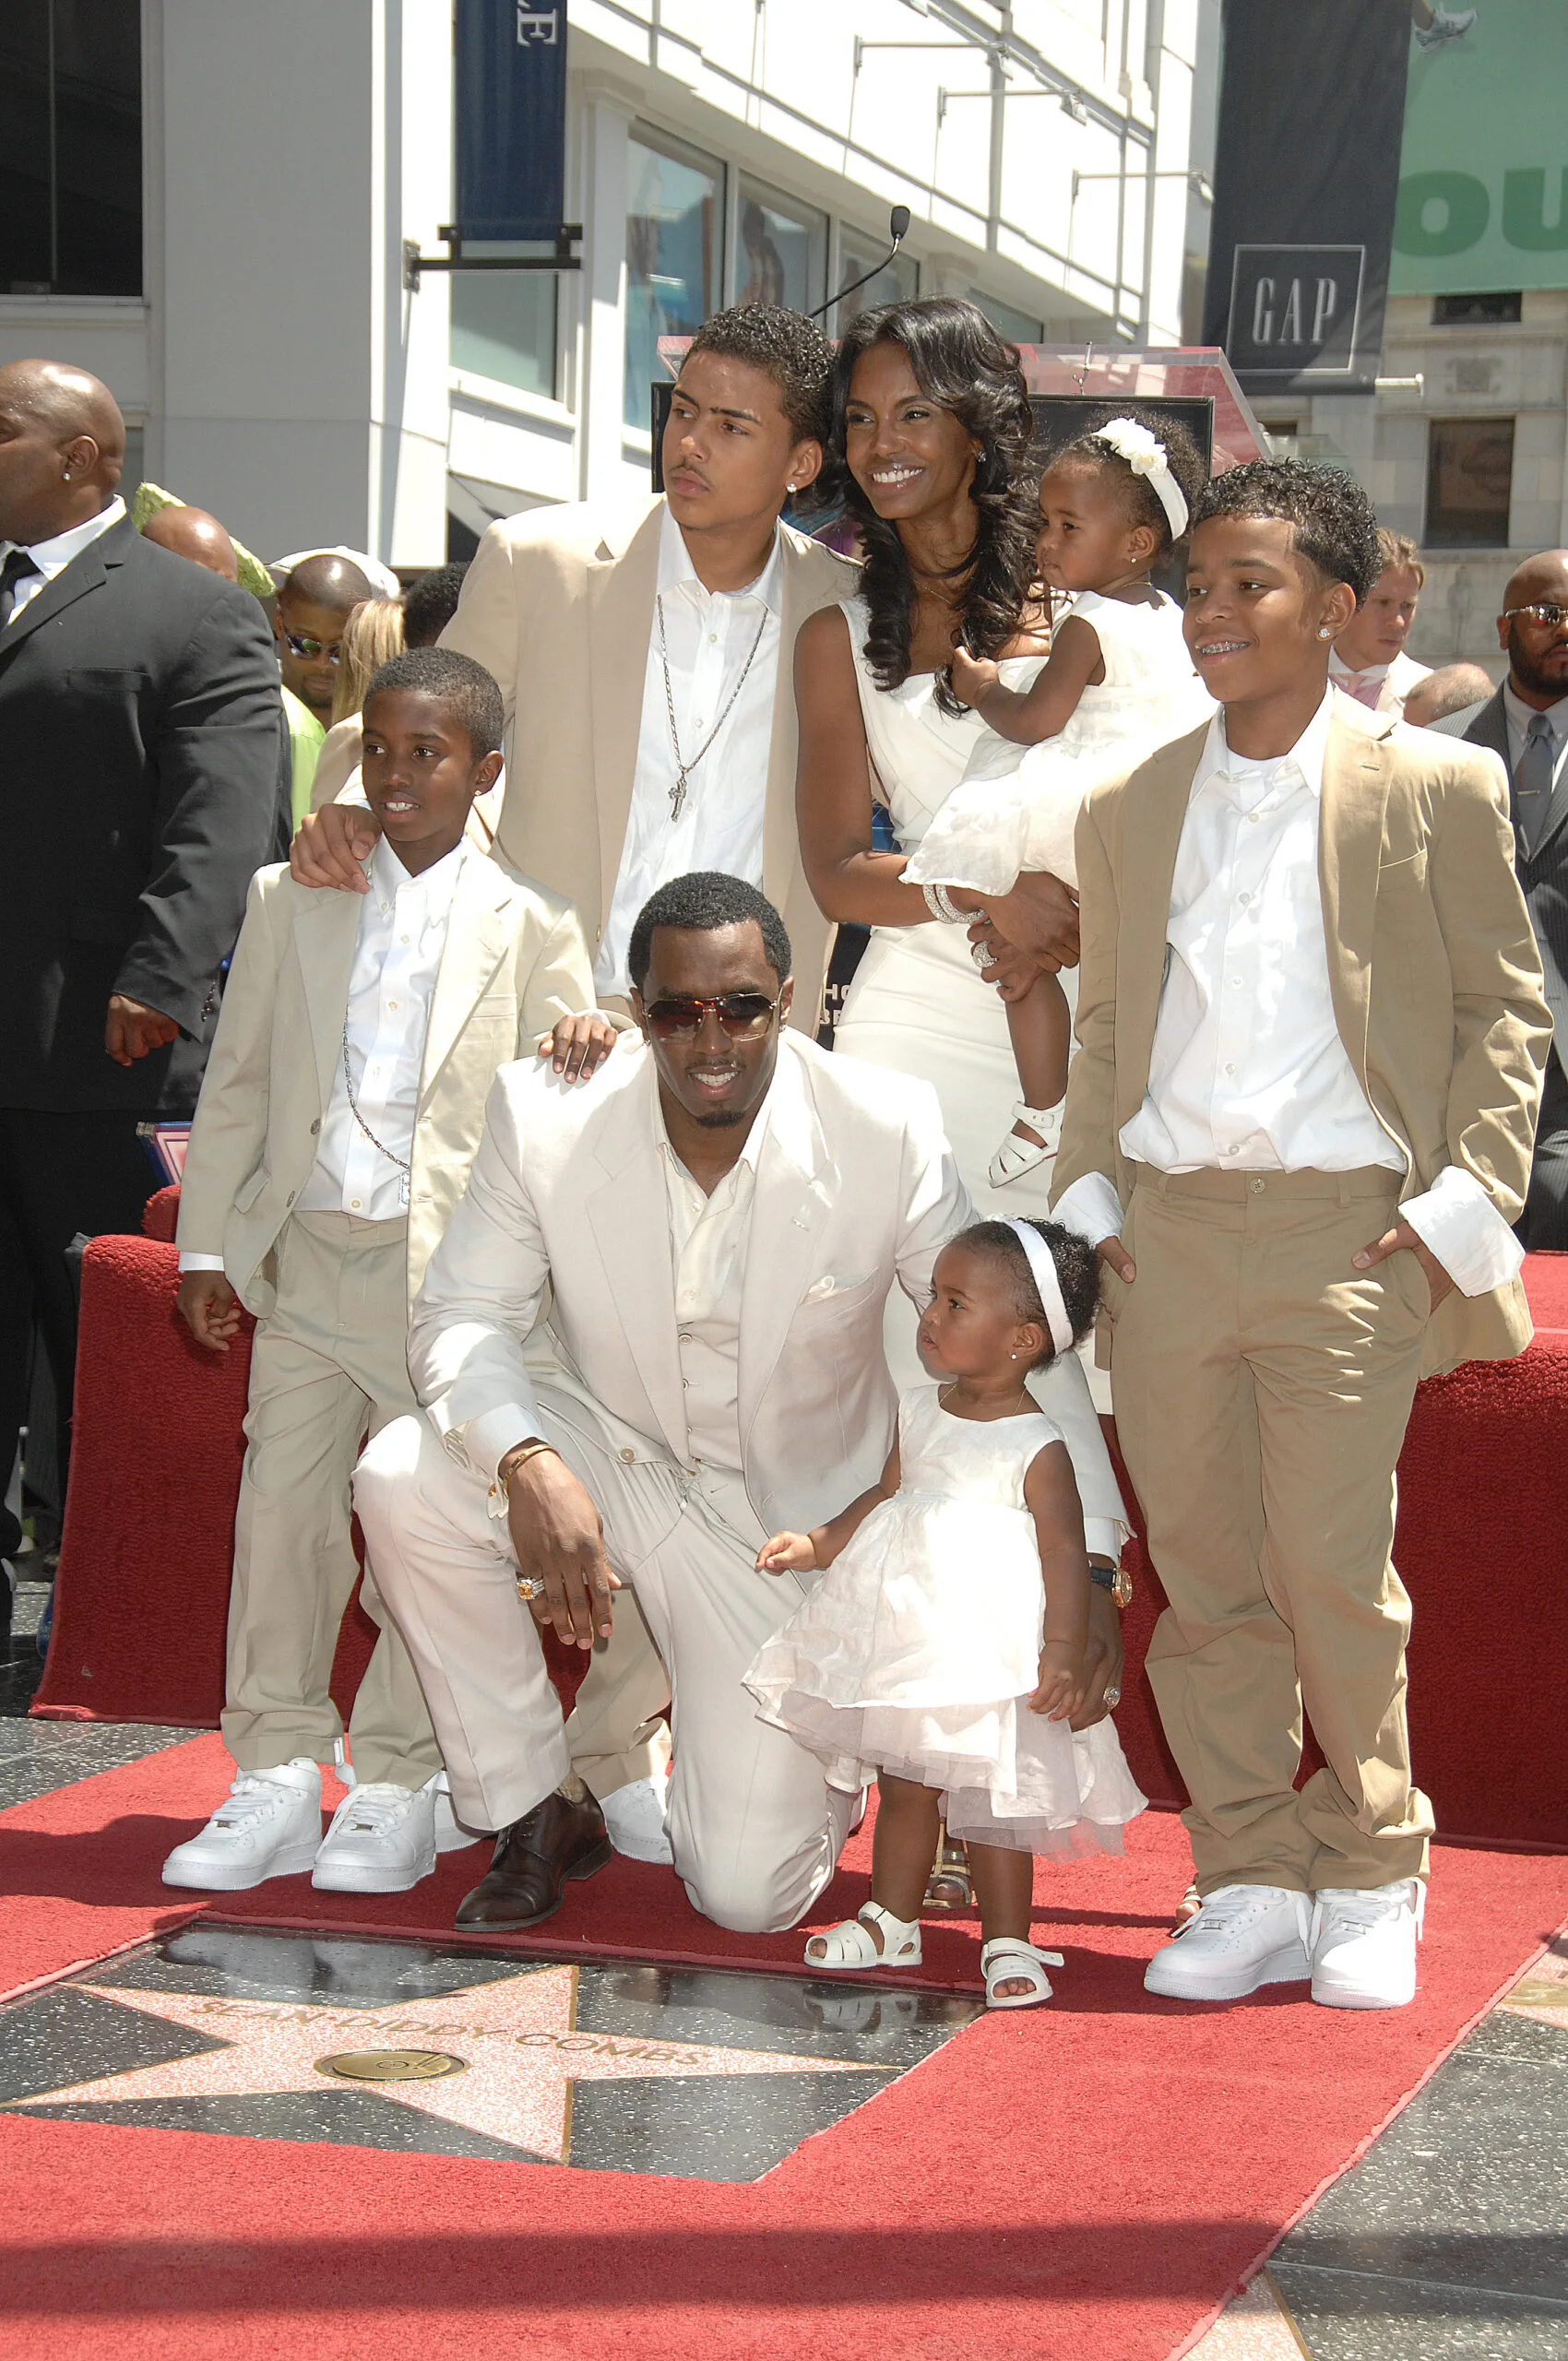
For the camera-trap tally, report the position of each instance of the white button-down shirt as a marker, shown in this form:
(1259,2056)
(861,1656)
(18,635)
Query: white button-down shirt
(53,556)
(1248,1073)
(707,1247)
(709,635)
(402,933)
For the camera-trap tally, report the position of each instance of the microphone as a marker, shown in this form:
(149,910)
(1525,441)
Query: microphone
(899,229)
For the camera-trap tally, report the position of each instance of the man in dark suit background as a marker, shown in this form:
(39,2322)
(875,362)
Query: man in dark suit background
(140,728)
(1526,721)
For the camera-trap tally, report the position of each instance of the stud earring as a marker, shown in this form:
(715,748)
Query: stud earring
(1324,631)
(789,487)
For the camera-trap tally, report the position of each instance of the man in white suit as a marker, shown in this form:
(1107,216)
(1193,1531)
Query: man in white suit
(717,1221)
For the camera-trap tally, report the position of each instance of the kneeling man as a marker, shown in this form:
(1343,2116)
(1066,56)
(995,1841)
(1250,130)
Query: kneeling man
(716,1223)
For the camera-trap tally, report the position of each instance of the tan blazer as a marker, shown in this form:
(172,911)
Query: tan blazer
(558,605)
(1433,966)
(513,961)
(855,1188)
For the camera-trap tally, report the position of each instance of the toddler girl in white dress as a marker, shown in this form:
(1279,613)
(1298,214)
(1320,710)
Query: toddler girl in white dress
(931,1651)
(1118,683)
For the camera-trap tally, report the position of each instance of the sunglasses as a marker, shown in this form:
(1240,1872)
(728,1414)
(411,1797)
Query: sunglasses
(744,1015)
(304,646)
(1548,616)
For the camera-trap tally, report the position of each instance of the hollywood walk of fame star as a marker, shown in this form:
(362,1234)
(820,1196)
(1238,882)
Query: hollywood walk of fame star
(518,2039)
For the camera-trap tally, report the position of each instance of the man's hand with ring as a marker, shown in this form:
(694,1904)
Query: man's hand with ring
(1102,1660)
(558,1541)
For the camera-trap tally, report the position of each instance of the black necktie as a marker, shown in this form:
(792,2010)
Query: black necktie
(16,568)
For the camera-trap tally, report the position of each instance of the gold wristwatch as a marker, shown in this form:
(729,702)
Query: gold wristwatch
(1115,1579)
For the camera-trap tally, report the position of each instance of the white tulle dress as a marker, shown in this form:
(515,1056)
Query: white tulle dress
(1015,807)
(916,1651)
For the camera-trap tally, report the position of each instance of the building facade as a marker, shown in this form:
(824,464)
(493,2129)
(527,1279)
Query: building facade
(208,202)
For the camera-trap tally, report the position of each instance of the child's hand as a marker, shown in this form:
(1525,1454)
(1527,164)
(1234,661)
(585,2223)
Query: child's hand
(209,1309)
(787,1553)
(972,676)
(1062,1684)
(579,1045)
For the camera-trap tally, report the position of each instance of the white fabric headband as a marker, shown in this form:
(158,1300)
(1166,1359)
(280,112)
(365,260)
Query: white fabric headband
(1146,459)
(1052,1301)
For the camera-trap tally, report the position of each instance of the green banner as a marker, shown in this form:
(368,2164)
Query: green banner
(1484,180)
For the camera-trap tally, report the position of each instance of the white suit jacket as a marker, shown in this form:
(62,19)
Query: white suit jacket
(558,606)
(855,1188)
(513,961)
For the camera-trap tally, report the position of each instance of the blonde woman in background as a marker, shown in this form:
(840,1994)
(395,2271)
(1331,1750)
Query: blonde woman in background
(371,637)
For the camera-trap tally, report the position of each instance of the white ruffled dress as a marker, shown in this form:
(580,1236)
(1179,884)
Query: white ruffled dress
(918,1650)
(1015,808)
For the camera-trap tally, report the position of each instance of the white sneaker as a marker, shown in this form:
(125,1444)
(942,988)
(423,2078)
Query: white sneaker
(270,1827)
(382,1840)
(634,1817)
(1447,24)
(1363,1944)
(1243,1935)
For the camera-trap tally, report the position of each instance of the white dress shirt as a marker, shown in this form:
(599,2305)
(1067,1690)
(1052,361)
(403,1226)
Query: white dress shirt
(707,1247)
(1519,716)
(709,635)
(1248,1073)
(402,933)
(52,557)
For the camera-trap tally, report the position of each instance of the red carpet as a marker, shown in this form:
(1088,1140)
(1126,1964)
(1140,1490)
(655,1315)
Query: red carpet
(1092,2177)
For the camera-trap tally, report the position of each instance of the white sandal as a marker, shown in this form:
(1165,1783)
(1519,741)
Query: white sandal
(1006,1957)
(1016,1157)
(851,1946)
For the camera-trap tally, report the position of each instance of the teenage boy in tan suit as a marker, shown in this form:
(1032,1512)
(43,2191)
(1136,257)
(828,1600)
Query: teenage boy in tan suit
(342,1107)
(1299,1129)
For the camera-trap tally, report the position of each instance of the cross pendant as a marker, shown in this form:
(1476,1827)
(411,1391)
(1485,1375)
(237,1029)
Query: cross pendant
(677,795)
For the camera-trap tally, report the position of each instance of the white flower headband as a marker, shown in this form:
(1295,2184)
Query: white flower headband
(1052,1301)
(1146,459)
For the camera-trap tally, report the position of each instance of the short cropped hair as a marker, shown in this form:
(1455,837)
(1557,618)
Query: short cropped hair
(700,903)
(1335,523)
(1398,548)
(429,604)
(1143,503)
(1077,1268)
(448,679)
(785,346)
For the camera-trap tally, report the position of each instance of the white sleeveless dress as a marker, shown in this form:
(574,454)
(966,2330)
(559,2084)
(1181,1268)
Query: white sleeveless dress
(918,1649)
(1016,807)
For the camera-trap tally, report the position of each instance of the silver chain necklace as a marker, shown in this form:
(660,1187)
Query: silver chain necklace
(406,1170)
(682,766)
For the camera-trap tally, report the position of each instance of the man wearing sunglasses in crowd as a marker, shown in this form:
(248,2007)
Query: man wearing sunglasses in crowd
(711,1231)
(1526,721)
(313,604)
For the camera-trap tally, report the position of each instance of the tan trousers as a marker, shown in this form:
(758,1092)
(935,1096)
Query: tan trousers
(1262,1388)
(328,1361)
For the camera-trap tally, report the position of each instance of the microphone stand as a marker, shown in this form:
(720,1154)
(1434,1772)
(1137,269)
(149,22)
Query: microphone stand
(898,228)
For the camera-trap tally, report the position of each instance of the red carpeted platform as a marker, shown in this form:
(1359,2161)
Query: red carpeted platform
(1095,2177)
(142,1594)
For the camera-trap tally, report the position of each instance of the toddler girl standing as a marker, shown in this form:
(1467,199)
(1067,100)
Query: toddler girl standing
(1118,683)
(931,1652)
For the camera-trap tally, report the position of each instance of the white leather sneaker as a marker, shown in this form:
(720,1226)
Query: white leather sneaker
(1363,1944)
(634,1817)
(270,1827)
(382,1840)
(1243,1936)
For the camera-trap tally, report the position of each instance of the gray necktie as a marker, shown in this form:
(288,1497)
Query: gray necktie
(16,568)
(1532,780)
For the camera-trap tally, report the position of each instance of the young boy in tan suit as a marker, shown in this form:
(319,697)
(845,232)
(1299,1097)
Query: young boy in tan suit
(1299,1129)
(343,1106)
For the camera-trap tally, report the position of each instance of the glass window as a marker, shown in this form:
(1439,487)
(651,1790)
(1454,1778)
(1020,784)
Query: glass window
(1018,327)
(1469,482)
(897,282)
(674,200)
(781,250)
(1476,310)
(70,148)
(503,325)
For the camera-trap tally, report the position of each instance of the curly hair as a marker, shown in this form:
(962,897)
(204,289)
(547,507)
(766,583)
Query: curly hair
(963,366)
(785,346)
(1335,523)
(1077,1268)
(1181,456)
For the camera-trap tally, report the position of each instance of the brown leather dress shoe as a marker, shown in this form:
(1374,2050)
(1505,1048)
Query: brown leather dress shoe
(532,1861)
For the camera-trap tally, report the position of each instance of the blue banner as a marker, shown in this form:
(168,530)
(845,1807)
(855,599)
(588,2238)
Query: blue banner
(511,126)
